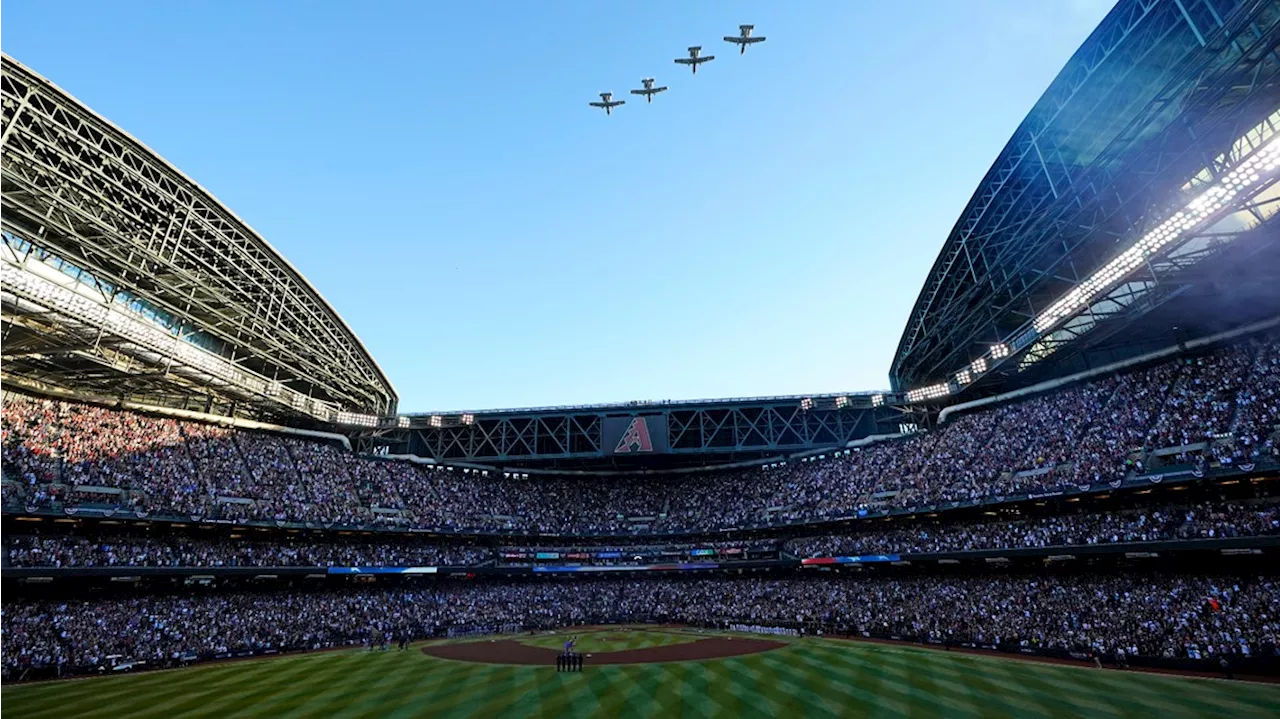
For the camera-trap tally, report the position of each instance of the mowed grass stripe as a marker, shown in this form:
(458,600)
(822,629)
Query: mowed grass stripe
(385,679)
(1075,699)
(669,698)
(502,693)
(95,693)
(888,678)
(322,684)
(800,691)
(191,694)
(939,681)
(287,693)
(190,686)
(942,678)
(237,687)
(1085,695)
(1178,697)
(808,678)
(1009,684)
(1001,694)
(429,679)
(1118,686)
(607,688)
(457,698)
(850,680)
(698,699)
(640,697)
(915,674)
(746,690)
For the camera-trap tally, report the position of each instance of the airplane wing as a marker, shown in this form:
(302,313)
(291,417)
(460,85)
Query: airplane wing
(640,92)
(706,58)
(754,39)
(615,103)
(735,40)
(685,60)
(597,104)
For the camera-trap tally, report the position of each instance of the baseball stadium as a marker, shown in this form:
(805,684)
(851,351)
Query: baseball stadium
(1065,505)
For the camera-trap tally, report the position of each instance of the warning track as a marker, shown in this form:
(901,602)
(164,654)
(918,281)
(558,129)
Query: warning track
(506,651)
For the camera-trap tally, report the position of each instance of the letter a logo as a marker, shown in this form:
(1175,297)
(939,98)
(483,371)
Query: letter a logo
(636,438)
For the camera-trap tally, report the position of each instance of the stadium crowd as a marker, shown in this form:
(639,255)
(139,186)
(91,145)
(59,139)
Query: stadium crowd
(1168,522)
(1147,615)
(1226,402)
(1207,520)
(66,551)
(71,551)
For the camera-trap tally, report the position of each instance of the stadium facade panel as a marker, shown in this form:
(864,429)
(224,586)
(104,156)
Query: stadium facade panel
(1155,110)
(125,279)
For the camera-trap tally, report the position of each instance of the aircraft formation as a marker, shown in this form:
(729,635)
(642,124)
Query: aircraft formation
(696,58)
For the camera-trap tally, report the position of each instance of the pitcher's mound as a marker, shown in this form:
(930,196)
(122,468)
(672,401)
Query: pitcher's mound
(506,651)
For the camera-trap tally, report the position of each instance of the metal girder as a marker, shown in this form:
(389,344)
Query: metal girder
(1038,238)
(80,188)
(785,427)
(544,436)
(1167,278)
(1114,30)
(748,427)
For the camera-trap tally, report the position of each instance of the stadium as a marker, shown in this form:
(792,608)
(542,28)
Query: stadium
(1065,505)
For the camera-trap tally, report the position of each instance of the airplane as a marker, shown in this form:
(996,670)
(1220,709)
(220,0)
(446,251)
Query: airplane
(744,39)
(694,60)
(649,90)
(607,102)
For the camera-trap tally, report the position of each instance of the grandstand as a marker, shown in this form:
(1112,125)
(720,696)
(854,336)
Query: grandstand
(1077,459)
(1122,216)
(125,280)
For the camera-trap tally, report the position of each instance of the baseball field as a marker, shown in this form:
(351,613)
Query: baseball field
(642,673)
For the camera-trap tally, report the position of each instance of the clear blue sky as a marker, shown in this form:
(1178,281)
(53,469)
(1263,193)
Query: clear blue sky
(434,170)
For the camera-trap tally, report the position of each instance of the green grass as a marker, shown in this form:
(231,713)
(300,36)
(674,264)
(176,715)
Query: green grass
(811,677)
(610,640)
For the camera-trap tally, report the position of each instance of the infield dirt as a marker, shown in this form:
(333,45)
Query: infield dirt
(506,651)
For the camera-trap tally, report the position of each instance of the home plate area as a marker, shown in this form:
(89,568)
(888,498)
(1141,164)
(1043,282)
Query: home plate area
(600,647)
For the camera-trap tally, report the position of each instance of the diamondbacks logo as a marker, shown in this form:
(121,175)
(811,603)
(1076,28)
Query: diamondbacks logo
(636,438)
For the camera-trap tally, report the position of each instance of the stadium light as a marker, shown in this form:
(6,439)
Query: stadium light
(402,422)
(468,419)
(877,400)
(964,376)
(806,404)
(352,418)
(842,401)
(1248,171)
(999,351)
(931,392)
(436,421)
(979,365)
